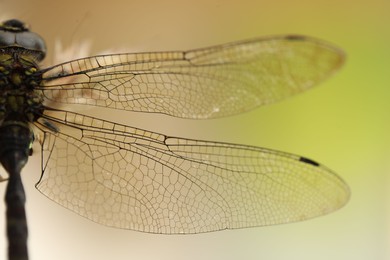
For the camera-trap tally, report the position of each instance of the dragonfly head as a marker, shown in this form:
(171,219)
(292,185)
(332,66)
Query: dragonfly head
(15,33)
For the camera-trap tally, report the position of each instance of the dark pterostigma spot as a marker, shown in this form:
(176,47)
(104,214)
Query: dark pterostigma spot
(306,160)
(295,37)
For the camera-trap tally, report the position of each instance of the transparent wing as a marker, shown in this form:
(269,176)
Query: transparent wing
(204,83)
(134,179)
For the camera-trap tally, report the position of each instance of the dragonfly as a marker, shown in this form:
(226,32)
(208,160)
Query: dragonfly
(130,178)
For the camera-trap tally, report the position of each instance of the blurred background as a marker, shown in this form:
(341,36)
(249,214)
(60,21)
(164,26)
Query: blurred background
(344,123)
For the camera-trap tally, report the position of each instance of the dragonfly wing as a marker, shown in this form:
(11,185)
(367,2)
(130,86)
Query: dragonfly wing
(134,179)
(204,83)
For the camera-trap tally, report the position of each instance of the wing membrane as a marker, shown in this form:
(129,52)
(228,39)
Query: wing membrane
(204,83)
(130,178)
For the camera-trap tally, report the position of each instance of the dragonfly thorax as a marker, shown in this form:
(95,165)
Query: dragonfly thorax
(18,99)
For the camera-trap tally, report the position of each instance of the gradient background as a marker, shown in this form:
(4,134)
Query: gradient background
(344,123)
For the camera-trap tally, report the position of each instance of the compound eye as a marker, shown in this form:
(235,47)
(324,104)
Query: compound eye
(31,41)
(14,33)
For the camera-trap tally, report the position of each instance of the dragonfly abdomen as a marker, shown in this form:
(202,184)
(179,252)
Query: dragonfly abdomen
(15,140)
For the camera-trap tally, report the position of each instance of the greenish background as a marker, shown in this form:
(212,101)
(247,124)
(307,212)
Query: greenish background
(344,123)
